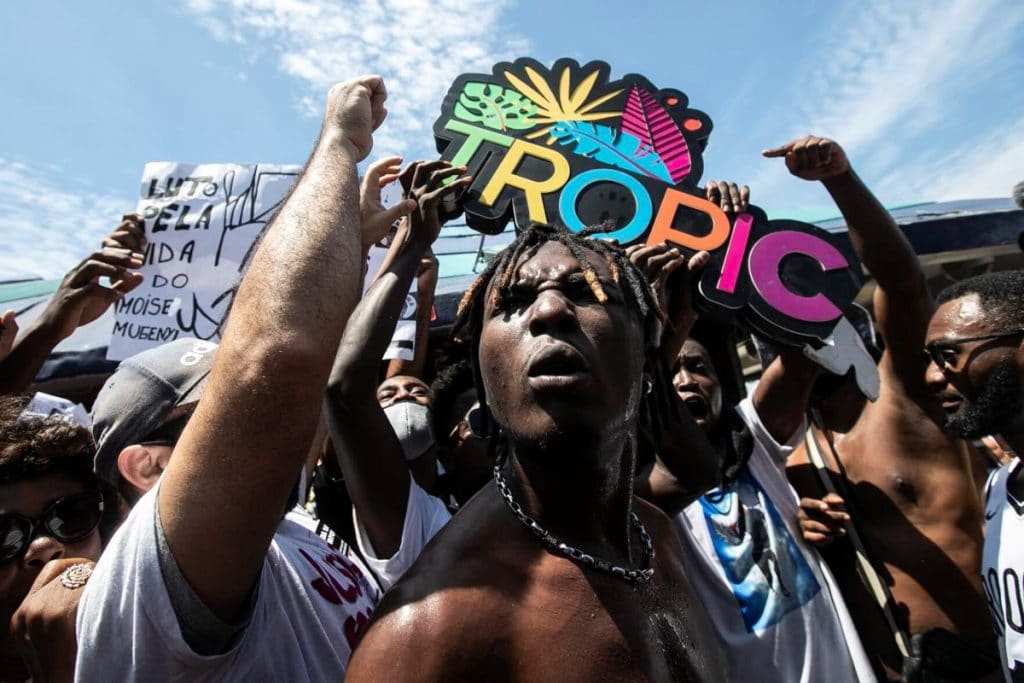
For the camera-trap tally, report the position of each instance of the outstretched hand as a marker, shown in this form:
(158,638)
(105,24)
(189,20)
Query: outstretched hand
(355,108)
(812,158)
(375,219)
(423,182)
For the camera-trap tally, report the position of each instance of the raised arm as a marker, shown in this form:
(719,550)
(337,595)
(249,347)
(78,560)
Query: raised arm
(903,304)
(685,464)
(426,282)
(78,301)
(783,394)
(225,488)
(368,451)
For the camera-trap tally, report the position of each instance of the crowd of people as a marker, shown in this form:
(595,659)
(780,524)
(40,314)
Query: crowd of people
(558,492)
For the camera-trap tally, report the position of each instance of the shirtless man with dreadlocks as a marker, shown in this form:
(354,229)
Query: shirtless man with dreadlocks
(554,570)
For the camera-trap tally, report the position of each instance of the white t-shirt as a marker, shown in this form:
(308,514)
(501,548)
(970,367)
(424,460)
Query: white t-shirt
(425,515)
(771,599)
(1002,569)
(311,604)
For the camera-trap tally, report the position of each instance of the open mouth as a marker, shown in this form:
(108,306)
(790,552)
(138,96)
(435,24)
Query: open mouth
(697,405)
(557,365)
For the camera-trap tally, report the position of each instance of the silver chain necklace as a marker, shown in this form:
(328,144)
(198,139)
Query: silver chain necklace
(575,554)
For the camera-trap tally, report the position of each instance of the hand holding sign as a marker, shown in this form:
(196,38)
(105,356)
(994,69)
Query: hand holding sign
(812,158)
(424,183)
(731,198)
(81,298)
(355,109)
(130,234)
(672,276)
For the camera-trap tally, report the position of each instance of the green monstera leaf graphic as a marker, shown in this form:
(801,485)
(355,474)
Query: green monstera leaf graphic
(495,107)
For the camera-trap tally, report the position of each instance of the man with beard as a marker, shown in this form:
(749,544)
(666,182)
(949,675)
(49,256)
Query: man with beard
(975,348)
(910,487)
(554,571)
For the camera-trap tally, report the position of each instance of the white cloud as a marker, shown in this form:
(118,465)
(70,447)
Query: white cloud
(49,225)
(888,75)
(985,167)
(419,46)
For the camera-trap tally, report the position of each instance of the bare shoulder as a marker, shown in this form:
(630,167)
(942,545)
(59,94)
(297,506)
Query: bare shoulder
(450,612)
(416,637)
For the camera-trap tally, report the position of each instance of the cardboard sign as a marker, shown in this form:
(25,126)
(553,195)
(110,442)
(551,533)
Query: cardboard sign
(568,146)
(202,222)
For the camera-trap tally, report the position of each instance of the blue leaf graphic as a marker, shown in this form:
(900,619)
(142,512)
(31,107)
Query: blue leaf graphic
(611,146)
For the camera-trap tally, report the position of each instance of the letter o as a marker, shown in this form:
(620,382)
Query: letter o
(629,232)
(180,280)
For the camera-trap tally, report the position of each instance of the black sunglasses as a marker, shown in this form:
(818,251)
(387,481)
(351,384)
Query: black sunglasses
(68,519)
(944,354)
(474,419)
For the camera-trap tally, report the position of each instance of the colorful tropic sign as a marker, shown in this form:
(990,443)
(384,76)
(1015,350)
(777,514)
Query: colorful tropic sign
(567,145)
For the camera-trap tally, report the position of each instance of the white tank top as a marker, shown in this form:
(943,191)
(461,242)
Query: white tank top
(1002,568)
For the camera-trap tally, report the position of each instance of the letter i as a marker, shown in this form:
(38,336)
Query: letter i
(734,254)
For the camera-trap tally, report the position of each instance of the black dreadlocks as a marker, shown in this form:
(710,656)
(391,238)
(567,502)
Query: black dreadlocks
(501,271)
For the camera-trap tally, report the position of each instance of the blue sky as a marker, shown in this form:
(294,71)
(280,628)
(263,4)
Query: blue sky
(926,96)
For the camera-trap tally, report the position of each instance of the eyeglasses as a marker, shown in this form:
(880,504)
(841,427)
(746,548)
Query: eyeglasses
(68,519)
(945,355)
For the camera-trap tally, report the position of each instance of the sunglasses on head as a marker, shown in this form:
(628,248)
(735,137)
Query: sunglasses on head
(68,519)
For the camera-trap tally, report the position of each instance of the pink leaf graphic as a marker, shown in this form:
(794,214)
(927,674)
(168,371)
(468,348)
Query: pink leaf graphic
(645,119)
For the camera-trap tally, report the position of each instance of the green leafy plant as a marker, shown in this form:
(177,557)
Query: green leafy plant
(495,107)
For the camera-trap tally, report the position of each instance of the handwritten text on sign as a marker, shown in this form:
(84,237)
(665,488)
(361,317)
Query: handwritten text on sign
(201,222)
(566,145)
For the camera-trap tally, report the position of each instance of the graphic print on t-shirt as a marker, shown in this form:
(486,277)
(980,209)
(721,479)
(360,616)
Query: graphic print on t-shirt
(768,573)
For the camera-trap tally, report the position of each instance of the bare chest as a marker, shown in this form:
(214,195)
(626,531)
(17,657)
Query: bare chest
(572,625)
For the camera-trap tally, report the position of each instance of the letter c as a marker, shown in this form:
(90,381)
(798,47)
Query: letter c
(764,260)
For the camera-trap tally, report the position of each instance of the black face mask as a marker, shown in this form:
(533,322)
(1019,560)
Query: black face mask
(993,410)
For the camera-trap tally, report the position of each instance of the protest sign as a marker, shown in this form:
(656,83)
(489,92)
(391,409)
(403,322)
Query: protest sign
(201,223)
(568,146)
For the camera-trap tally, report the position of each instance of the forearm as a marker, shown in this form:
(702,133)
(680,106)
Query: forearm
(225,489)
(783,394)
(304,279)
(19,369)
(369,453)
(414,367)
(877,240)
(372,324)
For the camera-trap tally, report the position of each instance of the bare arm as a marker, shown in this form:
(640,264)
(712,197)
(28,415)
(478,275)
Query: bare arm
(226,486)
(903,304)
(685,463)
(369,453)
(78,301)
(783,394)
